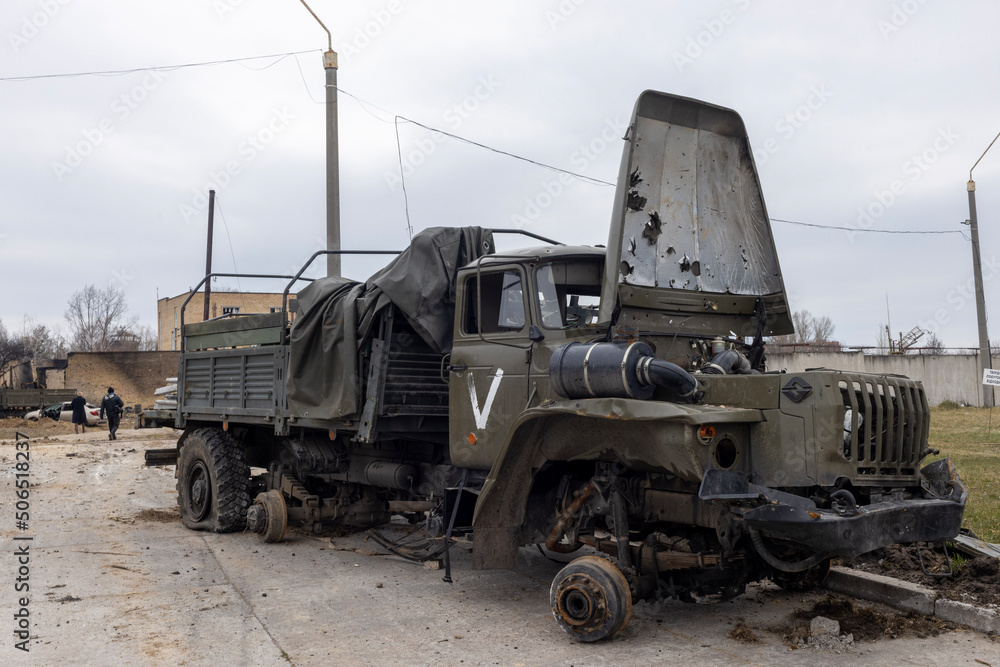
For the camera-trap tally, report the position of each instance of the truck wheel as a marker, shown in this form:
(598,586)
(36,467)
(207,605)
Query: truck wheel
(213,481)
(590,599)
(802,581)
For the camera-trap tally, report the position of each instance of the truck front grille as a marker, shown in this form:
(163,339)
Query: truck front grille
(886,420)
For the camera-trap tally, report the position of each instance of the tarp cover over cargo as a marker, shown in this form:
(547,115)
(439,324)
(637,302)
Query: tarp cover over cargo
(690,243)
(336,314)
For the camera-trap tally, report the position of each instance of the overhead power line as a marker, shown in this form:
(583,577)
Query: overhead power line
(874,231)
(596,181)
(278,57)
(159,68)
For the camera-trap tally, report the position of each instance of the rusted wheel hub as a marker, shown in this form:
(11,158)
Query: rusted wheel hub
(590,599)
(268,516)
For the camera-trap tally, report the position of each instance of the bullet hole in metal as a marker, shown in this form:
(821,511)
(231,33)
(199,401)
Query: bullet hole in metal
(652,229)
(636,202)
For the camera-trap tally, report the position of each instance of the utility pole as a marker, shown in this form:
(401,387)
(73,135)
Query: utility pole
(985,360)
(332,154)
(208,252)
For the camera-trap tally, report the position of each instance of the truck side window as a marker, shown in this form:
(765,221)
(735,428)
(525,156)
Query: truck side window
(502,303)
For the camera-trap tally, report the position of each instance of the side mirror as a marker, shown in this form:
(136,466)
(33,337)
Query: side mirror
(535,334)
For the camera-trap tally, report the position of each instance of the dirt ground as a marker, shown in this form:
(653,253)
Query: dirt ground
(974,580)
(116,579)
(46,427)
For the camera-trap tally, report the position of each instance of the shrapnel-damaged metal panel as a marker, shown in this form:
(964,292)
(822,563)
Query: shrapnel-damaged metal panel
(689,216)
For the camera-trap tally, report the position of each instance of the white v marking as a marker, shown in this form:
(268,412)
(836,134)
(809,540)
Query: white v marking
(481,417)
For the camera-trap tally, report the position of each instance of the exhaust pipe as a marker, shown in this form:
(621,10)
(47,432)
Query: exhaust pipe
(726,362)
(617,370)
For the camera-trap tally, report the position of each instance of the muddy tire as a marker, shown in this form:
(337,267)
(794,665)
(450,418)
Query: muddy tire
(213,482)
(590,599)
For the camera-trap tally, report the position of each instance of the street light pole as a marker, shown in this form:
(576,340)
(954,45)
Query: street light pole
(332,166)
(985,360)
(332,154)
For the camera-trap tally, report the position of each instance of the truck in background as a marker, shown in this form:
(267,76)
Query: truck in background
(19,402)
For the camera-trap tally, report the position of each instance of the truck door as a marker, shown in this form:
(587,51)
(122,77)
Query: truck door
(489,362)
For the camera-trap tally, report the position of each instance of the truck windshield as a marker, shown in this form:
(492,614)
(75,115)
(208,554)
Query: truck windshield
(569,293)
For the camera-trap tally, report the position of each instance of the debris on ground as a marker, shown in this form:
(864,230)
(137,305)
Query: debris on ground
(742,633)
(839,623)
(975,580)
(868,623)
(825,633)
(154,515)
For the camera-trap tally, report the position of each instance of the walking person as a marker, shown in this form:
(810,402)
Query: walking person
(79,405)
(112,404)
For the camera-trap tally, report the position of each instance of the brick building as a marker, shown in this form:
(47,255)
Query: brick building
(168,311)
(134,375)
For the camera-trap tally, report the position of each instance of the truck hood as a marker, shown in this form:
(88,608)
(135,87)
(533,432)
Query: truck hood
(690,248)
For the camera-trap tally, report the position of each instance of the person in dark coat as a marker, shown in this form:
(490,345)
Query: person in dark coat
(79,405)
(112,405)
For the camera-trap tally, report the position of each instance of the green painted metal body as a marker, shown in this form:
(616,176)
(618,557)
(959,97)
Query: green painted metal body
(15,402)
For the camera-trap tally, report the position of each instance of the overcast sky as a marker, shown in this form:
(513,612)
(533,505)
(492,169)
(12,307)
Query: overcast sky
(866,115)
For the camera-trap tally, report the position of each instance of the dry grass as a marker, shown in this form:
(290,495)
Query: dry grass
(964,435)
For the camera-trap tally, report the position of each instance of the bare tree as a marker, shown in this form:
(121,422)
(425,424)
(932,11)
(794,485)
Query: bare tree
(140,338)
(148,340)
(804,325)
(42,342)
(933,344)
(822,329)
(97,318)
(808,329)
(12,349)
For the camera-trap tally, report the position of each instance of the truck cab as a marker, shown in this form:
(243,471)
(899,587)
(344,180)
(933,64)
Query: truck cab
(512,312)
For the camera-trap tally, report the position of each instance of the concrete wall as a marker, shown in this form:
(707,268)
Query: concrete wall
(134,375)
(55,378)
(946,377)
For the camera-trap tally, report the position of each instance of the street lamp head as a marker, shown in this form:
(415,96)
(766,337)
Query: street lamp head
(329,37)
(972,185)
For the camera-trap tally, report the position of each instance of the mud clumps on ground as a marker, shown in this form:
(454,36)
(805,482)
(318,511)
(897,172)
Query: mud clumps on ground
(858,623)
(976,580)
(793,634)
(35,429)
(742,633)
(159,515)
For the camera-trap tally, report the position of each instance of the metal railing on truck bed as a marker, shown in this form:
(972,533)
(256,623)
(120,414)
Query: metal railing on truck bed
(234,366)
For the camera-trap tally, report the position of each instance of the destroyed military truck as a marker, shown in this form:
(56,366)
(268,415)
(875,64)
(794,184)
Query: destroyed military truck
(608,401)
(15,402)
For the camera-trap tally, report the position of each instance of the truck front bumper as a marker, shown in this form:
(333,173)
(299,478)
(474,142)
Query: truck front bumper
(857,530)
